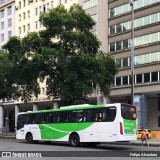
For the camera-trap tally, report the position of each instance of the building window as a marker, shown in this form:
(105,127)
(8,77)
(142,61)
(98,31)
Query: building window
(139,78)
(112,47)
(146,77)
(28,27)
(2,37)
(20,5)
(24,28)
(40,10)
(2,13)
(118,45)
(36,11)
(36,24)
(19,17)
(125,62)
(24,3)
(44,8)
(125,44)
(48,6)
(2,25)
(10,10)
(126,7)
(118,81)
(10,22)
(24,16)
(142,40)
(125,80)
(155,57)
(154,76)
(89,4)
(146,58)
(9,34)
(118,28)
(112,30)
(28,14)
(118,63)
(19,30)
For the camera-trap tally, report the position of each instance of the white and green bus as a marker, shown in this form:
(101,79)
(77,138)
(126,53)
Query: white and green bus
(79,124)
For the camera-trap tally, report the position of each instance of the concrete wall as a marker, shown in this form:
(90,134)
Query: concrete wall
(153,114)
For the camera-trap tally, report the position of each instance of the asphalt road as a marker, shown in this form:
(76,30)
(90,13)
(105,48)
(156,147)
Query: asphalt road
(63,151)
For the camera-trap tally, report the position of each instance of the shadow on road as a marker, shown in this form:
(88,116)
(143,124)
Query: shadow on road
(104,146)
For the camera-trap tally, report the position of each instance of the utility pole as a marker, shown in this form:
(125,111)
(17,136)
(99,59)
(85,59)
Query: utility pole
(132,52)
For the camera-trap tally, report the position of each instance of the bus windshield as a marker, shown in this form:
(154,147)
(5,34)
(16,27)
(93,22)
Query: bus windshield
(128,112)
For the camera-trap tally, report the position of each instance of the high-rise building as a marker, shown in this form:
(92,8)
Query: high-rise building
(147,56)
(6,20)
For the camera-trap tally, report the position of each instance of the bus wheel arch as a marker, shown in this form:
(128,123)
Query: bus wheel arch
(74,139)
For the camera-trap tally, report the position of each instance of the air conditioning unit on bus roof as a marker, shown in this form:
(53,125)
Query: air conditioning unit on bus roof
(73,106)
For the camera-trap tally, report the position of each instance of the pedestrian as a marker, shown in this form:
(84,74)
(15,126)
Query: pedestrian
(144,137)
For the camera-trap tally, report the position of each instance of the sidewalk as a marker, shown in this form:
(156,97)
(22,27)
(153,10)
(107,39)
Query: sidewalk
(7,136)
(151,142)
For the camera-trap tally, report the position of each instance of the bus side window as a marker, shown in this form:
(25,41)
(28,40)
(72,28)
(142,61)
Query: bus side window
(73,116)
(85,116)
(64,116)
(40,118)
(49,117)
(31,118)
(109,114)
(56,117)
(93,115)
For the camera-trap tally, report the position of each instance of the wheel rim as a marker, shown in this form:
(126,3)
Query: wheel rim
(74,141)
(29,138)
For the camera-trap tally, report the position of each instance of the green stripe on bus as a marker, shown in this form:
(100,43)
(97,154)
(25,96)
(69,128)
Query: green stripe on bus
(66,109)
(57,131)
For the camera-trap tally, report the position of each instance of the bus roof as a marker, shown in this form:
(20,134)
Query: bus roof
(65,108)
(71,107)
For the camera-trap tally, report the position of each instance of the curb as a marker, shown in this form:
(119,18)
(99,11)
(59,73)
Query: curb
(7,137)
(136,144)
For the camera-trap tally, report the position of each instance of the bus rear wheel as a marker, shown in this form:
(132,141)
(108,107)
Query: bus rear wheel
(74,140)
(29,138)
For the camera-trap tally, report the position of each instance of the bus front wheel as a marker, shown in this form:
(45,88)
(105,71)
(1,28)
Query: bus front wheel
(29,138)
(74,140)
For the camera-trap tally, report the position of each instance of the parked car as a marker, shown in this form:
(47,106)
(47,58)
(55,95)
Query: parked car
(139,134)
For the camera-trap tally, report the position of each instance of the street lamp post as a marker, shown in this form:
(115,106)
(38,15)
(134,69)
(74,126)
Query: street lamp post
(132,52)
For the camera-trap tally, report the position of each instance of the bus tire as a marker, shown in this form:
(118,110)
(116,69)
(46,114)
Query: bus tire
(29,138)
(74,140)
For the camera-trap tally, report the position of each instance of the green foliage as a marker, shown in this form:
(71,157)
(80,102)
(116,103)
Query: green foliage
(7,89)
(66,54)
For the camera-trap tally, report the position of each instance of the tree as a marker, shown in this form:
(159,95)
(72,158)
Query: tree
(22,72)
(7,89)
(65,53)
